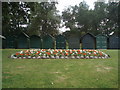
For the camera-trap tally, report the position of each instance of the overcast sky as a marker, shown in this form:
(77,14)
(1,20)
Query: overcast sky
(63,4)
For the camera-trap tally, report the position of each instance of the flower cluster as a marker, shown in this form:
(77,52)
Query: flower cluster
(60,53)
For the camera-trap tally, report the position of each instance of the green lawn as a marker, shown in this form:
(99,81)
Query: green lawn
(59,73)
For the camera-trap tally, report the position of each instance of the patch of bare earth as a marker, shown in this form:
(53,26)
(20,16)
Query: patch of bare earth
(6,77)
(60,79)
(55,72)
(20,67)
(100,68)
(6,72)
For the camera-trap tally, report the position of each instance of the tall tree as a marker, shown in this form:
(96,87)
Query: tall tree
(69,18)
(112,24)
(14,15)
(83,17)
(102,19)
(107,16)
(78,18)
(100,16)
(44,19)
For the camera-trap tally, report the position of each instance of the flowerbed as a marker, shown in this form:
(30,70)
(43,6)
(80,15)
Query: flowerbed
(59,53)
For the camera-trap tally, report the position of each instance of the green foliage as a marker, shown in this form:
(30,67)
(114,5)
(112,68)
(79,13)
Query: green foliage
(14,14)
(102,19)
(44,19)
(41,18)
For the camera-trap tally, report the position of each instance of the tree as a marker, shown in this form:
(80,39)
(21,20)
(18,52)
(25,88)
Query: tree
(107,16)
(44,19)
(100,16)
(112,25)
(5,18)
(14,15)
(83,17)
(102,19)
(78,18)
(69,18)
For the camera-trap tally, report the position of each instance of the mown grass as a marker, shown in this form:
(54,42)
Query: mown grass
(59,73)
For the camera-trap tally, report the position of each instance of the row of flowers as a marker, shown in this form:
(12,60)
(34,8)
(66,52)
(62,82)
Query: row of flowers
(60,53)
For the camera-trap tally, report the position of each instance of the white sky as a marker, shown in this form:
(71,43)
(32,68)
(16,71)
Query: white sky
(63,4)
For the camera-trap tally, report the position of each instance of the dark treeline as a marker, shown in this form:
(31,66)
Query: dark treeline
(43,18)
(40,18)
(103,19)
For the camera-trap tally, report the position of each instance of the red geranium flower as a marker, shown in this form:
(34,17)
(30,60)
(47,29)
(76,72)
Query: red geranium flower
(21,54)
(66,54)
(38,51)
(95,54)
(79,53)
(101,54)
(17,53)
(47,53)
(84,53)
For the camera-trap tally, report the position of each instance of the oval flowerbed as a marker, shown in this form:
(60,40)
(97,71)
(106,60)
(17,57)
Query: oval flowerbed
(59,53)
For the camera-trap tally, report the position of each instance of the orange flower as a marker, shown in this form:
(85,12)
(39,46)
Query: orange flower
(55,50)
(67,50)
(95,54)
(101,54)
(66,54)
(70,52)
(21,54)
(54,53)
(17,53)
(79,53)
(84,54)
(27,54)
(38,51)
(47,53)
